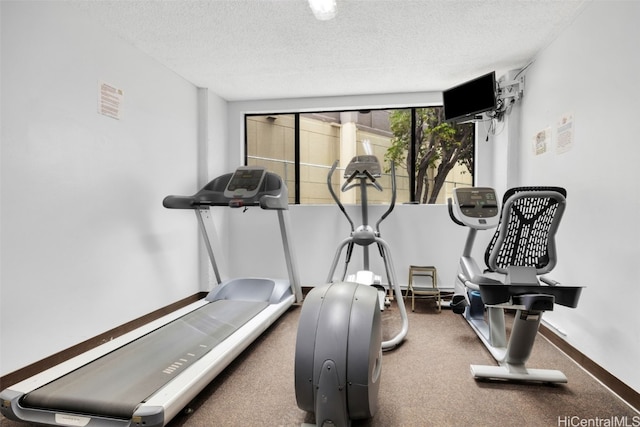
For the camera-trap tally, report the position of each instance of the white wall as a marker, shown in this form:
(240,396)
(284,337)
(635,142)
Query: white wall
(591,71)
(86,243)
(212,161)
(430,239)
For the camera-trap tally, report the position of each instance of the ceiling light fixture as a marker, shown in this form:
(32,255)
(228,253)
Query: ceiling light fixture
(323,10)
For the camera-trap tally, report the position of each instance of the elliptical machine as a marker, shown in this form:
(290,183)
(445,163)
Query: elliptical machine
(338,359)
(365,170)
(522,248)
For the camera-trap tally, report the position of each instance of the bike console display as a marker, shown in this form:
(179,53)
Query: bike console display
(477,207)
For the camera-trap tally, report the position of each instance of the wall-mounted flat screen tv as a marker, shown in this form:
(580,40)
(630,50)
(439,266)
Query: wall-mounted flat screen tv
(476,96)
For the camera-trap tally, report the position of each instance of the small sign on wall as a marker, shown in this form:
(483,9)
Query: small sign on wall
(109,100)
(564,138)
(541,141)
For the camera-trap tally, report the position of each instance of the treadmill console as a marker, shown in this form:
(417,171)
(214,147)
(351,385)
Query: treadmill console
(477,207)
(247,186)
(245,182)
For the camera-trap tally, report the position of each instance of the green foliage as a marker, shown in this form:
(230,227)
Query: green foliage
(438,146)
(400,124)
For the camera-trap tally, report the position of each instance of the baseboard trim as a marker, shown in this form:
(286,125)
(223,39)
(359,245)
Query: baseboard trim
(51,361)
(625,392)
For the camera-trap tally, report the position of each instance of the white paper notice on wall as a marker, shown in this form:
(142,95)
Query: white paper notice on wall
(541,141)
(109,100)
(564,134)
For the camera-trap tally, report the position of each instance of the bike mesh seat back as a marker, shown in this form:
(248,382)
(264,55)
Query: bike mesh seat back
(525,235)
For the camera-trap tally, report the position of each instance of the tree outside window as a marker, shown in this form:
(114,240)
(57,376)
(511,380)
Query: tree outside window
(430,148)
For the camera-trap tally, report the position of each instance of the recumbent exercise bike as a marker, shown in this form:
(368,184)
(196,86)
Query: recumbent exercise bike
(522,249)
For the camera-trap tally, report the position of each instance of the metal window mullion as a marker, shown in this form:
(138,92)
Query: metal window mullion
(296,155)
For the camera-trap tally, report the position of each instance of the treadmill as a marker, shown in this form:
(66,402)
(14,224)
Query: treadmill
(147,376)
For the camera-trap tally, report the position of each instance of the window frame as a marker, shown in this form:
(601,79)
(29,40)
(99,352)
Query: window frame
(413,199)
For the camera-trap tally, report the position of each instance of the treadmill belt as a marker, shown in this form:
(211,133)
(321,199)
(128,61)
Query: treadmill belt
(115,384)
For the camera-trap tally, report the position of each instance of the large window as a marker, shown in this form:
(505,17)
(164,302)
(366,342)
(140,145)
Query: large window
(430,157)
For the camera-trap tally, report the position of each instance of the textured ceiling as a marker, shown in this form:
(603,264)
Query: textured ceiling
(264,49)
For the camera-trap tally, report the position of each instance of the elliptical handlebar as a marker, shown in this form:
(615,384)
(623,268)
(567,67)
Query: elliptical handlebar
(348,185)
(392,204)
(347,181)
(372,181)
(366,170)
(335,197)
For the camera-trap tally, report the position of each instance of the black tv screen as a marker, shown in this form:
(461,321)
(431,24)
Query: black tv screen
(473,97)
